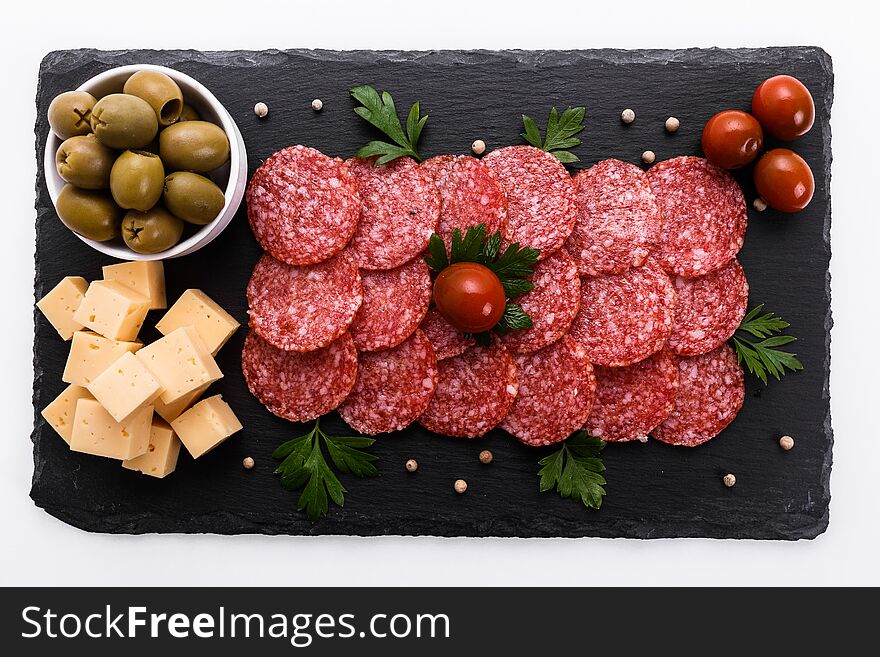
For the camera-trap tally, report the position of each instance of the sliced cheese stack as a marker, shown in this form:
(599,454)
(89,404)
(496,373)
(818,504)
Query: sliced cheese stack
(133,402)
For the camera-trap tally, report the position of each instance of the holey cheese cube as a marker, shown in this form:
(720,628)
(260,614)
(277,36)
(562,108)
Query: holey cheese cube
(147,278)
(113,310)
(60,304)
(60,412)
(124,387)
(91,354)
(206,425)
(160,459)
(171,411)
(181,363)
(195,308)
(96,432)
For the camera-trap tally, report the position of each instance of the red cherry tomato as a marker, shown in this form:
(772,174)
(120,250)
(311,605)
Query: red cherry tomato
(784,180)
(784,107)
(470,296)
(732,139)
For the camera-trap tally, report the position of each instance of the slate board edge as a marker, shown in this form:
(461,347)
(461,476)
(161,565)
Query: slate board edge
(787,529)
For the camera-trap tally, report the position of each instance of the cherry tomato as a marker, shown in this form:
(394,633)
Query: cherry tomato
(784,180)
(784,107)
(470,296)
(732,139)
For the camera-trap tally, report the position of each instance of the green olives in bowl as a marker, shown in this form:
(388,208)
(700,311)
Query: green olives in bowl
(90,213)
(70,114)
(136,180)
(160,91)
(197,146)
(124,121)
(84,162)
(193,198)
(153,231)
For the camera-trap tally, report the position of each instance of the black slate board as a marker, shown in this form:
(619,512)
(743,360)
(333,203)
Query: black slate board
(654,490)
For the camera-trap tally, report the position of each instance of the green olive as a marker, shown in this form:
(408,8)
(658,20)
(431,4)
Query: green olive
(189,114)
(193,198)
(193,146)
(84,162)
(89,213)
(160,91)
(70,112)
(123,121)
(151,232)
(136,180)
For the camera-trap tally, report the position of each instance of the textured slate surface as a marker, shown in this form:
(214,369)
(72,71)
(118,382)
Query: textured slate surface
(654,490)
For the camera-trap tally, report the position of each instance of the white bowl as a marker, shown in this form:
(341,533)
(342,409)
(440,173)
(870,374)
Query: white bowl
(232,176)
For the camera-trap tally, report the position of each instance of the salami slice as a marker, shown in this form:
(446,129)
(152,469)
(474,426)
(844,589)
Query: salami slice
(447,340)
(705,214)
(552,304)
(474,392)
(303,206)
(618,220)
(299,386)
(710,394)
(393,387)
(541,202)
(395,302)
(470,194)
(303,308)
(632,400)
(556,389)
(709,309)
(400,209)
(625,317)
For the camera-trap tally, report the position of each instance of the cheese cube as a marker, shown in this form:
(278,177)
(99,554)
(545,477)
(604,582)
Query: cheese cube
(171,411)
(206,425)
(60,304)
(180,362)
(95,432)
(195,308)
(160,459)
(124,387)
(147,278)
(91,354)
(59,413)
(113,310)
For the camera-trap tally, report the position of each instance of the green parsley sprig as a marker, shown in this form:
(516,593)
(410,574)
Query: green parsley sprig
(574,470)
(303,465)
(379,111)
(762,357)
(560,134)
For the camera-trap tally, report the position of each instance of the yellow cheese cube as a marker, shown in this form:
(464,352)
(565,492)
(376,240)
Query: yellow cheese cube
(91,354)
(113,310)
(124,387)
(181,363)
(195,308)
(60,412)
(160,459)
(206,425)
(60,304)
(96,432)
(171,411)
(146,277)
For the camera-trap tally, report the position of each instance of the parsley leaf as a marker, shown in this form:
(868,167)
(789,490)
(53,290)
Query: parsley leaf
(762,357)
(560,133)
(515,262)
(574,470)
(514,318)
(379,111)
(436,258)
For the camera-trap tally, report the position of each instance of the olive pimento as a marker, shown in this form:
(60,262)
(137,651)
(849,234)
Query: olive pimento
(784,180)
(784,107)
(470,296)
(732,139)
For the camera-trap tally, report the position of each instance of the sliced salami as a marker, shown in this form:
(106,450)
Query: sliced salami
(705,215)
(618,220)
(624,318)
(710,394)
(556,390)
(474,392)
(541,201)
(709,309)
(400,209)
(393,387)
(447,340)
(303,206)
(552,304)
(470,194)
(299,386)
(303,308)
(632,400)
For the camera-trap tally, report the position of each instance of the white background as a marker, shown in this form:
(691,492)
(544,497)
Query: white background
(38,550)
